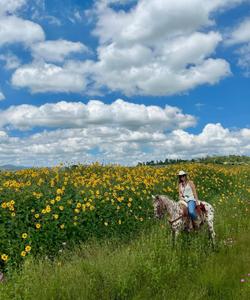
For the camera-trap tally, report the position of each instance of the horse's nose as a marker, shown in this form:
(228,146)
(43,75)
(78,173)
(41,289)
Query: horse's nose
(158,216)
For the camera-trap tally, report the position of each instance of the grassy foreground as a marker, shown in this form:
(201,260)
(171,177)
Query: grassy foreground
(144,268)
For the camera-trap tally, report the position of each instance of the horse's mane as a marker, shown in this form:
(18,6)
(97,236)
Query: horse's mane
(170,205)
(166,199)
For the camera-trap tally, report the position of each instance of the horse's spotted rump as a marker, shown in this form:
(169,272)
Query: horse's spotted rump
(163,204)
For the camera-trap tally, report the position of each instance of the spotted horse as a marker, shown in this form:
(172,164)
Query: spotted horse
(178,217)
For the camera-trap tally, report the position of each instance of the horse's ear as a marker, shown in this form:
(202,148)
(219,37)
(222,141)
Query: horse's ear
(155,197)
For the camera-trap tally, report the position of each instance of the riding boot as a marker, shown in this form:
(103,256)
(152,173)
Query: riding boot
(195,225)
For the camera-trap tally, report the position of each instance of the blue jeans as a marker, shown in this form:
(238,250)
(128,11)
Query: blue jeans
(191,209)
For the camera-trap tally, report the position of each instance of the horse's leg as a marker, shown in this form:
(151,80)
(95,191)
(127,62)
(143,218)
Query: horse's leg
(211,231)
(173,238)
(175,234)
(209,218)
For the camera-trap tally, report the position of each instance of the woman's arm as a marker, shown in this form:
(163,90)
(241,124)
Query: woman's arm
(180,193)
(194,191)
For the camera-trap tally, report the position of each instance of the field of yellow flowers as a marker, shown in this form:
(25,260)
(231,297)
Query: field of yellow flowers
(44,209)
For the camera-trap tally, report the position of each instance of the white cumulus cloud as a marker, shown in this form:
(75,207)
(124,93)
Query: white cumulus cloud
(240,36)
(120,132)
(120,145)
(41,77)
(158,47)
(56,51)
(79,115)
(17,30)
(244,59)
(11,61)
(11,6)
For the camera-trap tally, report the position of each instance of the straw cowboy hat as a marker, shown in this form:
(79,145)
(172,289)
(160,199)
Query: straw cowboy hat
(182,173)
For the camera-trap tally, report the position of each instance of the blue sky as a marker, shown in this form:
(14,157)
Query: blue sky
(123,81)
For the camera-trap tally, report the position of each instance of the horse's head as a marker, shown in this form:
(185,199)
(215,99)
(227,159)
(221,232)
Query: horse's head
(158,205)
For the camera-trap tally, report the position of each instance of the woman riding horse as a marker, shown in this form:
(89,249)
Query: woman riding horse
(188,195)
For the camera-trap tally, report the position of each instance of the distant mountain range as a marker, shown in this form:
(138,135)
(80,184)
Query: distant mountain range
(12,167)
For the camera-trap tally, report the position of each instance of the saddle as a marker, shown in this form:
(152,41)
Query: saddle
(200,210)
(189,223)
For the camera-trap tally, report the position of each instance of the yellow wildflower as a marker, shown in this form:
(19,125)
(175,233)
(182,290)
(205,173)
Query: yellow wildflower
(28,248)
(55,216)
(59,191)
(4,257)
(24,235)
(4,205)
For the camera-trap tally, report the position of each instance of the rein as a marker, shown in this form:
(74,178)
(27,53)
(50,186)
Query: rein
(171,222)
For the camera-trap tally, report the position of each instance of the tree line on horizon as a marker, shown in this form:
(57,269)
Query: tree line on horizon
(226,159)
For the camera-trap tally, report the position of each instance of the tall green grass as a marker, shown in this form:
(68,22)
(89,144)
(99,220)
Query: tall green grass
(147,267)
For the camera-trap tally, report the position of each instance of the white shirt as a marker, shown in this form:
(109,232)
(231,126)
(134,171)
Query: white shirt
(187,192)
